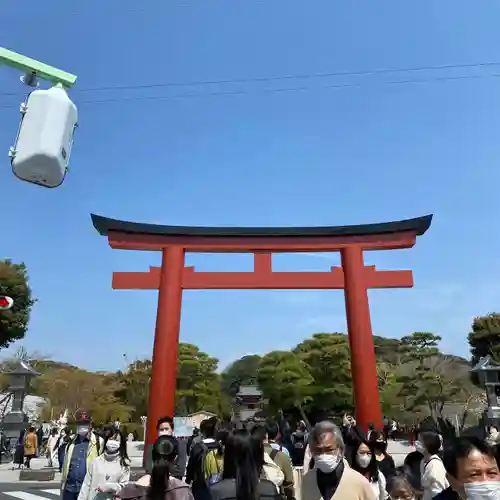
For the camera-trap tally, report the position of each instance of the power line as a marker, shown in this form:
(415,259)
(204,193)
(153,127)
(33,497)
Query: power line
(269,79)
(278,90)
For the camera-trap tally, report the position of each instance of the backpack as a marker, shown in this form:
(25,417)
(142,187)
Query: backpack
(299,440)
(212,464)
(208,470)
(272,471)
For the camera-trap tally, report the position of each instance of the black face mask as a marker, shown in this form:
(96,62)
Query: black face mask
(380,446)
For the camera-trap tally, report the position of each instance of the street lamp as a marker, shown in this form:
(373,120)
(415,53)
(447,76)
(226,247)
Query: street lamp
(44,140)
(19,381)
(489,377)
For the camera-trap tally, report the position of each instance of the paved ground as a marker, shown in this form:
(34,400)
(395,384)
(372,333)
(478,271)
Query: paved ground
(22,491)
(399,450)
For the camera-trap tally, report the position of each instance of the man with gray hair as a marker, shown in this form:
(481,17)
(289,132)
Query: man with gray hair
(331,478)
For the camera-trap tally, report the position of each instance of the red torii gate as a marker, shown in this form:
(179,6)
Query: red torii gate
(173,277)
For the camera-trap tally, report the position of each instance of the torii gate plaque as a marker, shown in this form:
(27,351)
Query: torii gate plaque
(172,277)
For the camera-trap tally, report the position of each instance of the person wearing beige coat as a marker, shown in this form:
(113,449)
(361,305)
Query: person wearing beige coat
(331,478)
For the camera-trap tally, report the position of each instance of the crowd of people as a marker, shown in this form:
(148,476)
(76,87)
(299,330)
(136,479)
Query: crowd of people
(255,460)
(266,461)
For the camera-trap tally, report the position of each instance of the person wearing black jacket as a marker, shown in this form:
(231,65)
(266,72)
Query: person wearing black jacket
(195,471)
(165,427)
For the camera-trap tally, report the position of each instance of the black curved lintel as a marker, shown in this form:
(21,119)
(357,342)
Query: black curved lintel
(105,225)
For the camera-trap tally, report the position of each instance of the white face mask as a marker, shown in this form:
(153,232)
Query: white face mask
(487,490)
(165,432)
(363,460)
(327,463)
(112,446)
(82,430)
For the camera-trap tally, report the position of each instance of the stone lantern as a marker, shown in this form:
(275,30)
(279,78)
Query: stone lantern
(489,378)
(19,382)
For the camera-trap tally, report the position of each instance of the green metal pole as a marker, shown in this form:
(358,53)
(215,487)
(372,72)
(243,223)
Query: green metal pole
(40,70)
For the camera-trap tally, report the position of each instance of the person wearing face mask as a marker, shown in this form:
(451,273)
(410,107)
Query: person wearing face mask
(385,462)
(364,461)
(109,472)
(432,470)
(165,427)
(80,452)
(332,478)
(472,470)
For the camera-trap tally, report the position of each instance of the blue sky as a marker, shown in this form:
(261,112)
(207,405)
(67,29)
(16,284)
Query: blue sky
(342,150)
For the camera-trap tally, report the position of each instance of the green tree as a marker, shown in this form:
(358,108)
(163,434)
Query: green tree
(426,381)
(243,371)
(284,380)
(14,283)
(484,339)
(133,387)
(389,389)
(198,383)
(327,356)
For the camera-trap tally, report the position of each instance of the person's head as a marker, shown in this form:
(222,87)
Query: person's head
(429,443)
(31,428)
(493,430)
(164,453)
(272,431)
(327,446)
(83,425)
(165,426)
(53,432)
(378,442)
(221,438)
(364,461)
(208,427)
(243,461)
(259,432)
(371,426)
(471,468)
(401,489)
(301,426)
(115,447)
(108,431)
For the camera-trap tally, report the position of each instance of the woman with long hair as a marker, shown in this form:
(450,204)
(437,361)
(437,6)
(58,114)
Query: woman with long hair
(363,460)
(385,462)
(160,484)
(108,473)
(241,475)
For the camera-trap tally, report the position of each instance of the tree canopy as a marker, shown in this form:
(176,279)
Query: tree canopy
(14,283)
(484,339)
(415,379)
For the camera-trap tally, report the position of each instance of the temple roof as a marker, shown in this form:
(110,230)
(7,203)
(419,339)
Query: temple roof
(105,225)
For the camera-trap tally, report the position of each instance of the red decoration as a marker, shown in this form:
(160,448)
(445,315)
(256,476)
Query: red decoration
(173,277)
